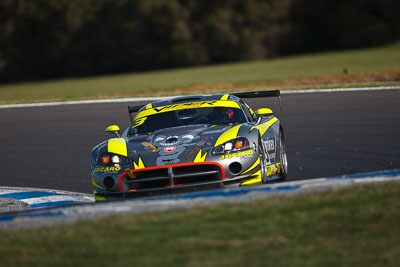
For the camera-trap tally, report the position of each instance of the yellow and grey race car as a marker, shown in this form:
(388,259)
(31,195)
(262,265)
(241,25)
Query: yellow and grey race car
(190,143)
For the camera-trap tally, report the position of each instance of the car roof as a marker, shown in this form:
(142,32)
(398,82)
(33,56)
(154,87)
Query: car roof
(191,98)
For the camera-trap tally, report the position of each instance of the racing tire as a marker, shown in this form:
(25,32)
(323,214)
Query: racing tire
(282,156)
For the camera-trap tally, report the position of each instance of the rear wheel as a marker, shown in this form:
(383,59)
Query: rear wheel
(282,155)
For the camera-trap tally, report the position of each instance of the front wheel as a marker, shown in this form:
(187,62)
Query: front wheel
(282,155)
(263,162)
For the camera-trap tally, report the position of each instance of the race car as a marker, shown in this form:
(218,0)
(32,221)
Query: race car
(190,143)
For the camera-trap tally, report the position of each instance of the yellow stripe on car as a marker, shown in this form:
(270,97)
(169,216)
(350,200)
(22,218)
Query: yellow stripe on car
(228,135)
(199,157)
(140,164)
(198,104)
(96,185)
(253,181)
(264,127)
(255,164)
(139,121)
(98,198)
(117,146)
(224,97)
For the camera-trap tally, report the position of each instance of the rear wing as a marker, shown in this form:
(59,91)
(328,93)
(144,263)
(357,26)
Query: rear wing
(257,94)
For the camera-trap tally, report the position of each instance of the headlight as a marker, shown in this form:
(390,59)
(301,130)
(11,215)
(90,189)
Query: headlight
(107,159)
(115,159)
(237,144)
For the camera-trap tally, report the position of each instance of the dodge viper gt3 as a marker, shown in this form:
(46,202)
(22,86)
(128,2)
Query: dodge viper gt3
(190,143)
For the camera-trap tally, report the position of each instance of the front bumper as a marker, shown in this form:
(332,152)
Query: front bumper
(104,195)
(174,179)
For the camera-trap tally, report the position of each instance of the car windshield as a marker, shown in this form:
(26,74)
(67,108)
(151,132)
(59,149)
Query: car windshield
(191,116)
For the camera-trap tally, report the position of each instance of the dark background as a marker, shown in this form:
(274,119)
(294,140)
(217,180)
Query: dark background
(48,39)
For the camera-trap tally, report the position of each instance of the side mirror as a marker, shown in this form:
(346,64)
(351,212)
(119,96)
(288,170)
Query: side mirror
(264,112)
(113,129)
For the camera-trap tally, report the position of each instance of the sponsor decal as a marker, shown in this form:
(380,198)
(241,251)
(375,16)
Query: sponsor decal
(271,170)
(244,154)
(169,148)
(149,146)
(270,144)
(107,169)
(185,105)
(270,147)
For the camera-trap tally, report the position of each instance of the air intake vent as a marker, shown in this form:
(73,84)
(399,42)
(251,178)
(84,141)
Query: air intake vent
(173,175)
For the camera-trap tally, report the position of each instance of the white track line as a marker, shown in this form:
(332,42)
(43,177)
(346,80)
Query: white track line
(56,198)
(338,90)
(12,189)
(99,101)
(150,99)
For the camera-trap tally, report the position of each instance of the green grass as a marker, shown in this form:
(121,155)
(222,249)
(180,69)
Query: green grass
(357,226)
(271,70)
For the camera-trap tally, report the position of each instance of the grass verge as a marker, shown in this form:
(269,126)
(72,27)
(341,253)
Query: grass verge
(381,63)
(356,226)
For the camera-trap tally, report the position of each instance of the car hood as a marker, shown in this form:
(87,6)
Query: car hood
(178,145)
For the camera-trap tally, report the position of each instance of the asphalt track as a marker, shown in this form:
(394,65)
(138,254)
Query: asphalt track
(327,134)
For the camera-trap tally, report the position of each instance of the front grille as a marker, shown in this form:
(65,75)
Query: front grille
(172,176)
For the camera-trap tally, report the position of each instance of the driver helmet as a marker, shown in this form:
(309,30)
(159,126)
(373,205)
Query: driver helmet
(225,112)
